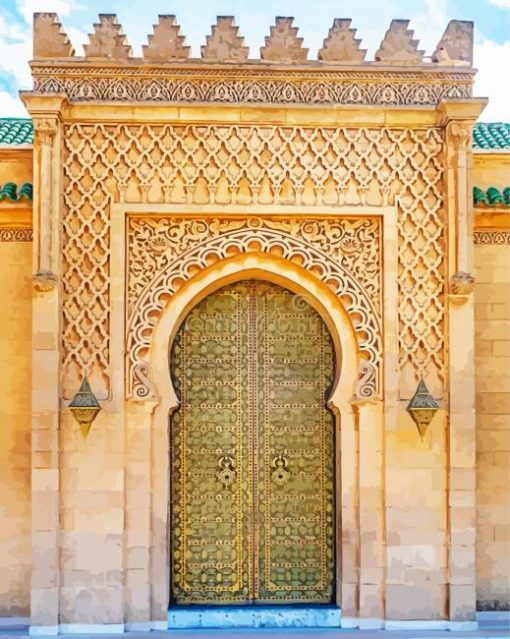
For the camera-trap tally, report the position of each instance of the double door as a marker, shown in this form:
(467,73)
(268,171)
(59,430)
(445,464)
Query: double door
(252,451)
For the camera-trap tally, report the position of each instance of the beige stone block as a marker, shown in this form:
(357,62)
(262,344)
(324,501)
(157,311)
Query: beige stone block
(92,605)
(138,602)
(492,422)
(501,348)
(461,498)
(349,603)
(483,347)
(47,420)
(425,576)
(417,556)
(492,293)
(493,440)
(88,478)
(45,480)
(138,537)
(462,478)
(44,559)
(137,557)
(462,602)
(45,460)
(500,311)
(462,565)
(138,577)
(462,445)
(44,606)
(370,601)
(97,552)
(106,520)
(88,498)
(350,563)
(415,602)
(496,478)
(45,515)
(502,533)
(488,384)
(44,440)
(482,310)
(490,366)
(498,403)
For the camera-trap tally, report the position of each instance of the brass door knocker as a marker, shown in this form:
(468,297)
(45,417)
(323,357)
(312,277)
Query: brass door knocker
(226,474)
(281,472)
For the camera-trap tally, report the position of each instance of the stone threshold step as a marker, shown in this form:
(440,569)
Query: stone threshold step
(253,617)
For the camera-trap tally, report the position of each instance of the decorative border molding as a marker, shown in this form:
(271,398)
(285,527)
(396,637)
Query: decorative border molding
(249,84)
(491,237)
(10,234)
(164,252)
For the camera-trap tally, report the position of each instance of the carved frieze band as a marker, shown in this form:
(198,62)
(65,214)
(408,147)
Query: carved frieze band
(11,234)
(491,237)
(159,85)
(163,253)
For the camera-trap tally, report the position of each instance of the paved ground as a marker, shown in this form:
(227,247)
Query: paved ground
(492,629)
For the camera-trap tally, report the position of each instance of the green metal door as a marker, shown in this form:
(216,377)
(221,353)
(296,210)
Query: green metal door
(252,451)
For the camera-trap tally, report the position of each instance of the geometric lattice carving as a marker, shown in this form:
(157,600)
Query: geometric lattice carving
(50,40)
(398,46)
(225,44)
(341,46)
(248,164)
(283,45)
(107,41)
(165,43)
(165,252)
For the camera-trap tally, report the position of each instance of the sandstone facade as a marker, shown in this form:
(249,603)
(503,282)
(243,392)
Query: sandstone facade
(158,181)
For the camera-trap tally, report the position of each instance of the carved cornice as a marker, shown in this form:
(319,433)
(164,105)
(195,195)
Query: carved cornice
(249,83)
(492,237)
(14,234)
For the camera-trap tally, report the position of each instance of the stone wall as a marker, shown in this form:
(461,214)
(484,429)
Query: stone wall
(15,353)
(492,300)
(15,384)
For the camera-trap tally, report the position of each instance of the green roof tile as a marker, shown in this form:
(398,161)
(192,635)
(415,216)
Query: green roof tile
(491,197)
(16,131)
(12,193)
(491,135)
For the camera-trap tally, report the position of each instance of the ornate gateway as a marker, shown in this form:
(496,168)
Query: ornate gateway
(252,450)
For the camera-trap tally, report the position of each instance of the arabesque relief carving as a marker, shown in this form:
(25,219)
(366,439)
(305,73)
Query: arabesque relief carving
(213,164)
(164,252)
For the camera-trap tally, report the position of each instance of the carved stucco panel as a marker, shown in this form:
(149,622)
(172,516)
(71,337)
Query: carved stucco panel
(246,164)
(163,253)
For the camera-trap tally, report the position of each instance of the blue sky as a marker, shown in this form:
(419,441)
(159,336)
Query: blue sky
(254,17)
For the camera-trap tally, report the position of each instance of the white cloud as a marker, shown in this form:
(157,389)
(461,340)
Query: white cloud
(28,7)
(491,60)
(503,4)
(11,106)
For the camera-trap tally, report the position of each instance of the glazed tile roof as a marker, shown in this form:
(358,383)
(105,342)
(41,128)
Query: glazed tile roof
(16,131)
(491,136)
(10,192)
(491,197)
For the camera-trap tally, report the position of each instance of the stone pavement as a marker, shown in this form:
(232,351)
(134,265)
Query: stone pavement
(492,630)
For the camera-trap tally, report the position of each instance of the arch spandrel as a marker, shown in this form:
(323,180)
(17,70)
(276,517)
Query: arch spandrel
(352,277)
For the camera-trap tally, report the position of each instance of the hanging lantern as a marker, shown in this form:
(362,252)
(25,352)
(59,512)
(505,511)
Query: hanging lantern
(84,407)
(422,407)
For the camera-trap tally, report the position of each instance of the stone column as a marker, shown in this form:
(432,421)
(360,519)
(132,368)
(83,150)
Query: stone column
(459,118)
(371,513)
(46,314)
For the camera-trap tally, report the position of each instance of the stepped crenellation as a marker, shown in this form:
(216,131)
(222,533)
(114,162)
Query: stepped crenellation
(282,46)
